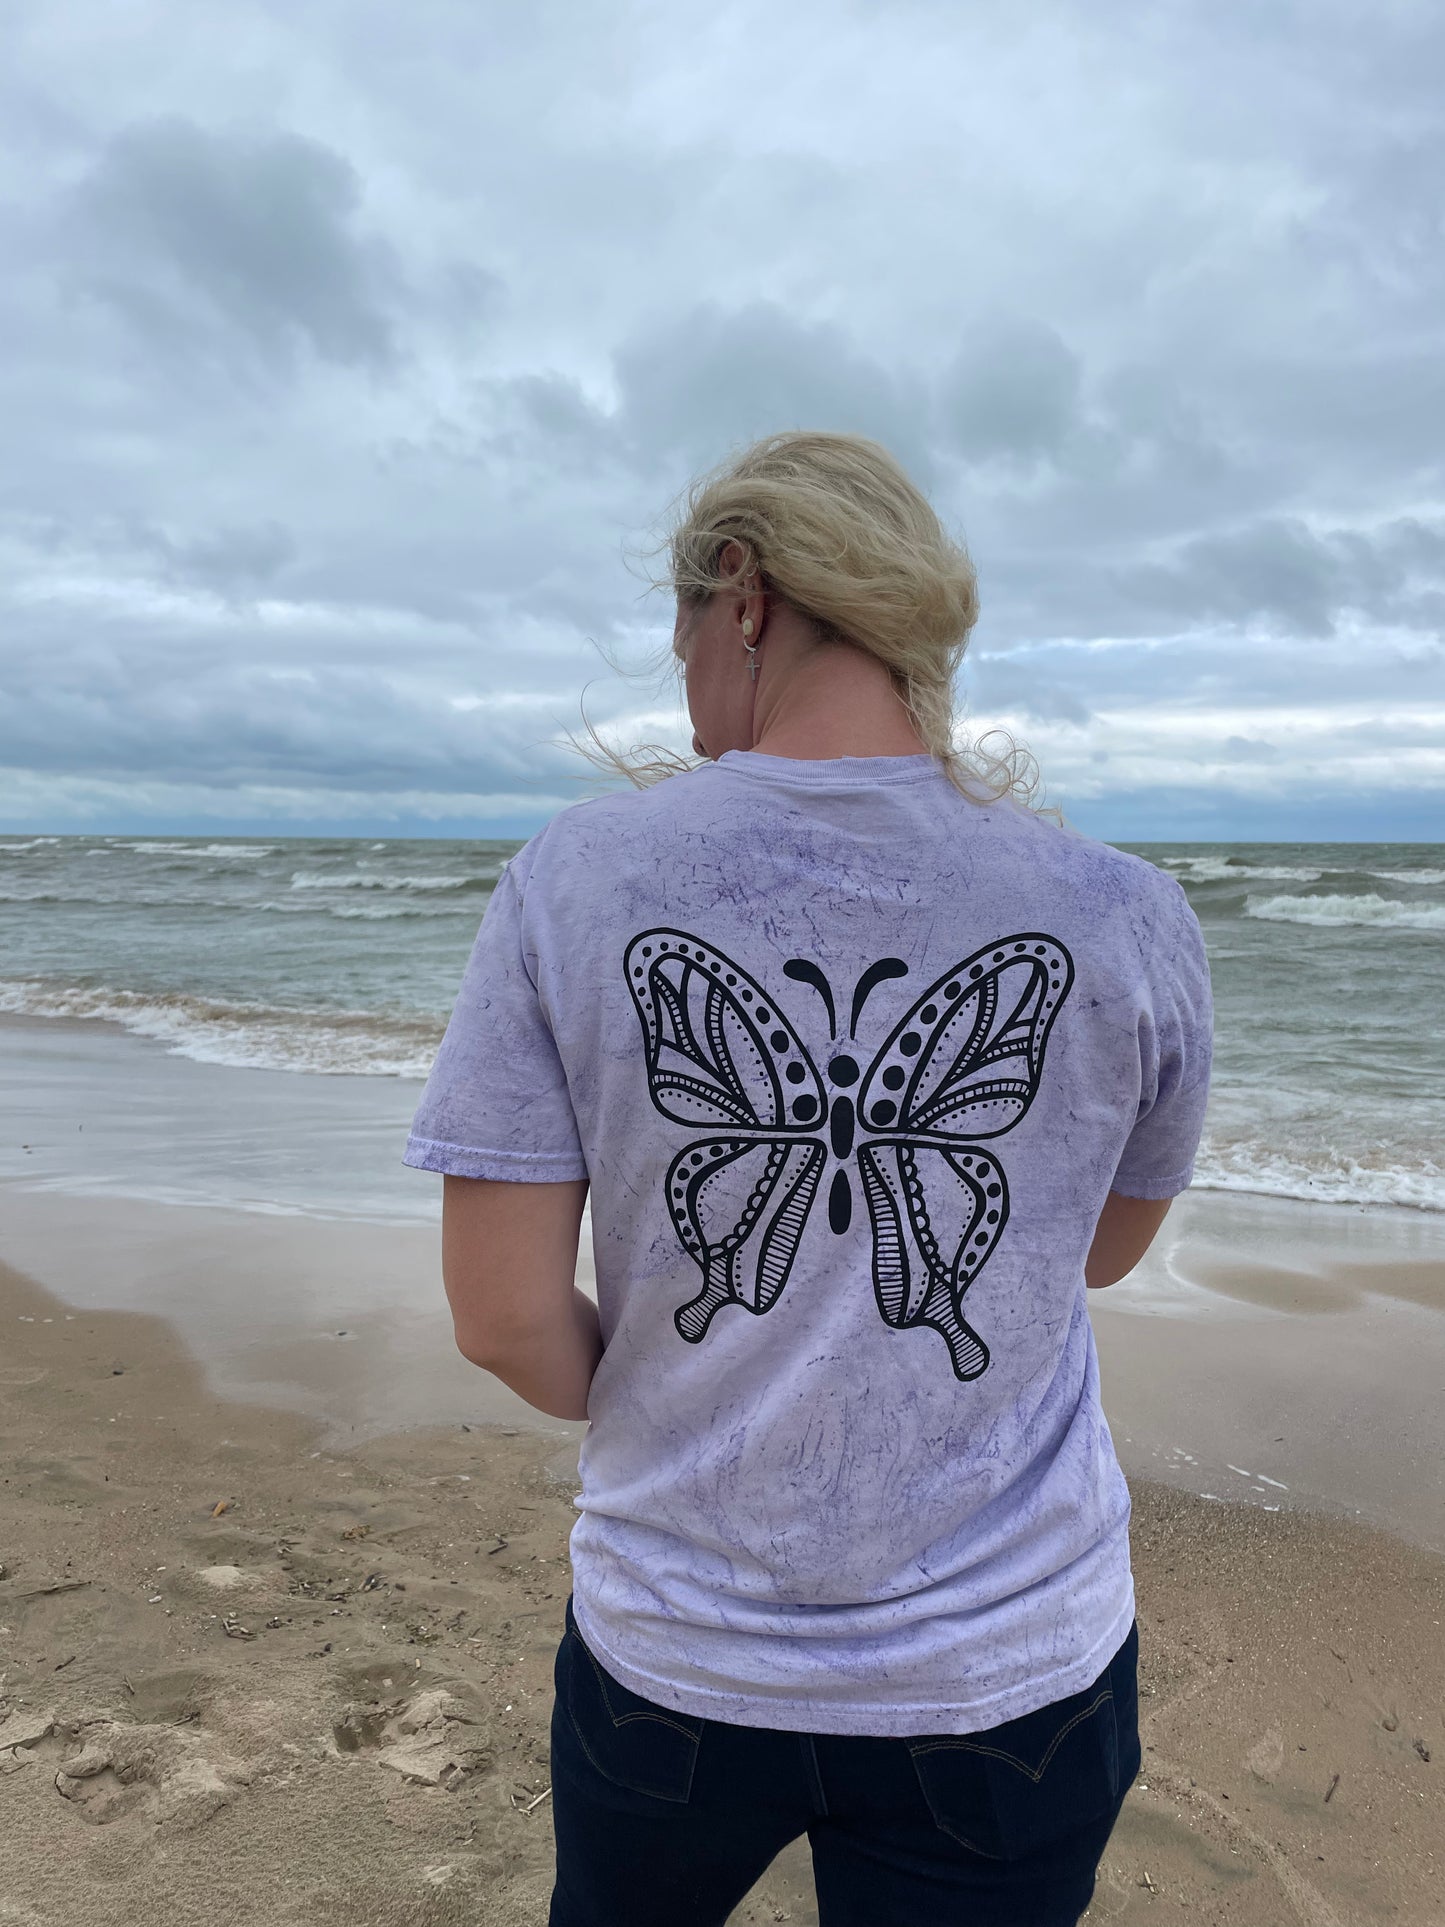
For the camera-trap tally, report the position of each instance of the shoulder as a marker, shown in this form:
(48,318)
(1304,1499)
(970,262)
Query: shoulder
(1135,909)
(1065,851)
(603,828)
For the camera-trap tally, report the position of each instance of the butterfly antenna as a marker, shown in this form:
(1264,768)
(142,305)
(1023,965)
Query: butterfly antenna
(874,975)
(803,972)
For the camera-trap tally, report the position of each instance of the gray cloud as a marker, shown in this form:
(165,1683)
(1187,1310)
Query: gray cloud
(230,559)
(717,376)
(344,361)
(1014,392)
(1298,581)
(202,239)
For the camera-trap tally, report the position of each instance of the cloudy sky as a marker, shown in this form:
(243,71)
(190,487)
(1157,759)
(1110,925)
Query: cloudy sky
(349,353)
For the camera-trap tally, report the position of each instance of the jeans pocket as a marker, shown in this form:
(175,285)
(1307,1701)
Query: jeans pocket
(1020,1788)
(641,1747)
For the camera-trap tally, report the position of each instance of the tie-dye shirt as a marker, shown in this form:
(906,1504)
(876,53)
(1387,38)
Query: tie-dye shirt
(851,1063)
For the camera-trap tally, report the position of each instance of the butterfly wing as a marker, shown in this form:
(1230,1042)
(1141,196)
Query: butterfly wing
(719,1051)
(937,1213)
(965,1061)
(738,1206)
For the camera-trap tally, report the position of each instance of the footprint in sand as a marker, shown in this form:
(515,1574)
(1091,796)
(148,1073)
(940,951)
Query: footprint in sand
(431,1738)
(1265,1759)
(168,1698)
(161,1772)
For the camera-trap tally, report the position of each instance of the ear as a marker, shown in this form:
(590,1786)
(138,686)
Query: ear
(746,599)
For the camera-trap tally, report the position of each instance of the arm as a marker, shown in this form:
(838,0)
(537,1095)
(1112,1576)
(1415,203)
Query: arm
(1176,1047)
(509,1257)
(1125,1231)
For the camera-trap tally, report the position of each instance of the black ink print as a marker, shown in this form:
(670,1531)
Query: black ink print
(963,1064)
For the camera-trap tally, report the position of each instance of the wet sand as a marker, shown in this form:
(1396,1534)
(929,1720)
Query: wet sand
(1259,1354)
(251,1677)
(1286,1354)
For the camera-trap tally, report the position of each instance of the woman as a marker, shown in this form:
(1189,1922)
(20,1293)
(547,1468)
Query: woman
(870,1069)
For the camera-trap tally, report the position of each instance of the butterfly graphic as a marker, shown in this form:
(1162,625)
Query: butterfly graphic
(961,1065)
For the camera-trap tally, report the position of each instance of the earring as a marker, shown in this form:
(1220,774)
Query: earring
(751,647)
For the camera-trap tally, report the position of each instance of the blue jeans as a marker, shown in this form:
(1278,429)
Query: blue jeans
(665,1819)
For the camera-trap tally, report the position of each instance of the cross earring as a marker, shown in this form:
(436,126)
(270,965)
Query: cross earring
(751,647)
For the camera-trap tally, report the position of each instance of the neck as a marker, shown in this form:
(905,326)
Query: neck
(820,700)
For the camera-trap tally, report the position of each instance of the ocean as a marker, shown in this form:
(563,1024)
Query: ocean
(333,957)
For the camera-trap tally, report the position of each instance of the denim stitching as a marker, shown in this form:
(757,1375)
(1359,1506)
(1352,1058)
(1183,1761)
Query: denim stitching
(999,1753)
(622,1719)
(962,1838)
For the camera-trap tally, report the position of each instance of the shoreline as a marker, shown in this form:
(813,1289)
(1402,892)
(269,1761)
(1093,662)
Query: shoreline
(1285,1355)
(386,1101)
(1282,1353)
(250,1673)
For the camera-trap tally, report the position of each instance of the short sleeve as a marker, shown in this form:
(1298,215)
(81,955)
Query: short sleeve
(496,1104)
(1176,1044)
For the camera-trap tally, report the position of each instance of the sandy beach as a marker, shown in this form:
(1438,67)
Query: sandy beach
(249,1673)
(283,1575)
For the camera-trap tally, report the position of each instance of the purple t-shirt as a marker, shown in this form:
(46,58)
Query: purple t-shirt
(851,1063)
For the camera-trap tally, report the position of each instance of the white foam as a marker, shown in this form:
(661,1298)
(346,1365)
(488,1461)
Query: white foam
(162,848)
(1336,912)
(311,906)
(384,912)
(352,880)
(1409,876)
(130,898)
(1266,1171)
(1218,869)
(244,1036)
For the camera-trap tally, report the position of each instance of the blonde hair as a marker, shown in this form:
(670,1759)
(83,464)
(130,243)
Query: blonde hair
(833,527)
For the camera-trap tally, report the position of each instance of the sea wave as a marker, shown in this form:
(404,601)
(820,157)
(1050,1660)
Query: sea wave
(352,880)
(1324,1178)
(1231,869)
(368,912)
(247,850)
(1223,869)
(257,1035)
(1367,911)
(248,1036)
(127,896)
(307,907)
(385,912)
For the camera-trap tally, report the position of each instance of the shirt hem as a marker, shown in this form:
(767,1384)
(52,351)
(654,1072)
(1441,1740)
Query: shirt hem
(1153,1187)
(469,1161)
(877,1719)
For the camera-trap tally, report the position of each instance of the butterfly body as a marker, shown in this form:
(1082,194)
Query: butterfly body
(961,1065)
